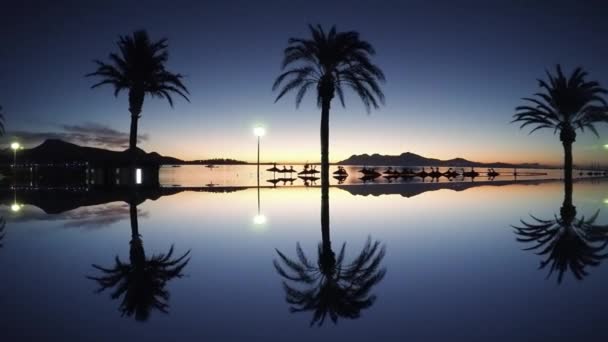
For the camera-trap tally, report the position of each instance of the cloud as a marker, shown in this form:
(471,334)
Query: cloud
(88,134)
(93,217)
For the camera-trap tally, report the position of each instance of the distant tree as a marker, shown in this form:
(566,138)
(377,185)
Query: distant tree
(140,69)
(565,104)
(330,62)
(141,282)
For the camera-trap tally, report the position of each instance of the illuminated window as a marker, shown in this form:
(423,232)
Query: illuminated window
(138,176)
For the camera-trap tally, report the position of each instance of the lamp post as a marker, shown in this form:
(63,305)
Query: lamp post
(15,146)
(259,132)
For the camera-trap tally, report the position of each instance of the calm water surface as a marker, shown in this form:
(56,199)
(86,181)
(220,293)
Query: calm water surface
(447,266)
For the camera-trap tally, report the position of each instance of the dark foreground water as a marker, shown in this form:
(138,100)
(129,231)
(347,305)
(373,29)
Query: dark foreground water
(447,266)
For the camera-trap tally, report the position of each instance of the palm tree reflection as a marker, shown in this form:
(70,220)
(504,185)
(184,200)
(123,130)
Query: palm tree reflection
(566,242)
(331,286)
(141,282)
(2,233)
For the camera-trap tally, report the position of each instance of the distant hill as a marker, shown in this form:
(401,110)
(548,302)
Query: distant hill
(412,159)
(54,151)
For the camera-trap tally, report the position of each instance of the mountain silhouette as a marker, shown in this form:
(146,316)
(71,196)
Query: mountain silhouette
(412,159)
(54,151)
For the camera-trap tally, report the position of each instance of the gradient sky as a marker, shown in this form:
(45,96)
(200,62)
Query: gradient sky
(455,72)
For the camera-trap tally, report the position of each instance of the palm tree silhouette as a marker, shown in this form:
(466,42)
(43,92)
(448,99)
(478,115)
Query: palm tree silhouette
(330,62)
(141,282)
(139,68)
(565,105)
(2,233)
(567,243)
(331,287)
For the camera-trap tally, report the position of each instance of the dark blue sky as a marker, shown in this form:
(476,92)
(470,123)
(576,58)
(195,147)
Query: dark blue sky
(455,71)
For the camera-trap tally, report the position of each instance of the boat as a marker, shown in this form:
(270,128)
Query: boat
(435,173)
(471,173)
(341,172)
(284,170)
(492,173)
(307,170)
(176,166)
(451,173)
(285,180)
(369,172)
(390,171)
(273,181)
(210,166)
(340,179)
(369,178)
(309,178)
(274,168)
(422,173)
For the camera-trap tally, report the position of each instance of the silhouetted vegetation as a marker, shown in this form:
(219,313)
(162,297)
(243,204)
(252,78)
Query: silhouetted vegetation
(330,286)
(139,68)
(567,243)
(329,62)
(2,233)
(141,282)
(565,105)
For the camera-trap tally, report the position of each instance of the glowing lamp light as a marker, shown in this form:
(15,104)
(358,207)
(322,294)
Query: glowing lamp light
(606,201)
(259,219)
(259,131)
(15,207)
(15,146)
(606,146)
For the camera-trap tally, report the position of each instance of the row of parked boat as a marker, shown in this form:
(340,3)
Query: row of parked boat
(433,173)
(389,172)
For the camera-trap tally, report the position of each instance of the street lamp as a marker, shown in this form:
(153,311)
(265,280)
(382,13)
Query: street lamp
(259,219)
(259,132)
(15,146)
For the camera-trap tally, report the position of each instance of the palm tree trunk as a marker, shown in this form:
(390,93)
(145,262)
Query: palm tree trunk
(136,101)
(567,161)
(134,221)
(325,141)
(325,235)
(325,175)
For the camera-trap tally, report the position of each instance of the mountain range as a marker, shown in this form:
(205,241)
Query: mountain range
(54,151)
(412,159)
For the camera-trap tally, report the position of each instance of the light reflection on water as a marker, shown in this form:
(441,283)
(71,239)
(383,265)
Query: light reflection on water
(454,269)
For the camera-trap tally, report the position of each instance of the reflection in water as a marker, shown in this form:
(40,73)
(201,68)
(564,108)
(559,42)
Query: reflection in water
(331,287)
(2,233)
(567,242)
(141,282)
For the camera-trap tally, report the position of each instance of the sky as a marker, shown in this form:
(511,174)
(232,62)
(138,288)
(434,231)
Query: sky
(455,72)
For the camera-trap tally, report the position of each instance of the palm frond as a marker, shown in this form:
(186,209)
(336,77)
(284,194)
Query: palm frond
(338,58)
(572,102)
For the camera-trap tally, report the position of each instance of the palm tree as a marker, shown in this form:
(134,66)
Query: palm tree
(141,282)
(330,62)
(1,122)
(567,243)
(2,233)
(565,105)
(140,69)
(331,286)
